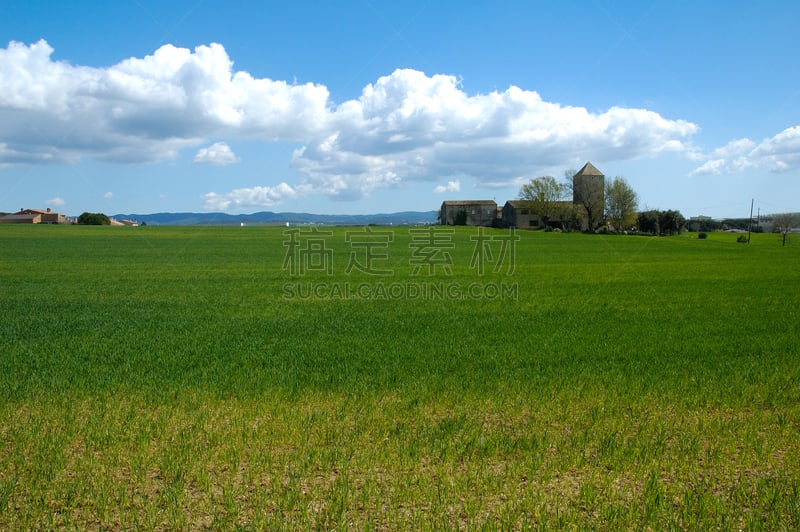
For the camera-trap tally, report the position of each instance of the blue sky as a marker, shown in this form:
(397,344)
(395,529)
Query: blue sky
(367,106)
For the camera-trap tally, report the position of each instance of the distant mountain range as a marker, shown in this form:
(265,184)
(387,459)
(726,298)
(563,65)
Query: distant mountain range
(281,218)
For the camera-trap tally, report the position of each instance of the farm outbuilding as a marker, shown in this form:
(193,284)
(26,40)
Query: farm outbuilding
(520,214)
(477,212)
(21,219)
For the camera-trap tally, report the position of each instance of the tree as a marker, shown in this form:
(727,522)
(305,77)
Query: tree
(460,218)
(568,215)
(783,224)
(569,173)
(93,218)
(621,204)
(670,222)
(544,194)
(660,222)
(647,222)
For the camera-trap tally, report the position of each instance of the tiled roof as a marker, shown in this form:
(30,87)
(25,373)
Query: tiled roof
(589,170)
(469,202)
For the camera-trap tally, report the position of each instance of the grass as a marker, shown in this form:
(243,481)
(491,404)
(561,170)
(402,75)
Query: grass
(159,377)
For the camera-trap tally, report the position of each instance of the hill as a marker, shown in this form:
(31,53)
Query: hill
(281,218)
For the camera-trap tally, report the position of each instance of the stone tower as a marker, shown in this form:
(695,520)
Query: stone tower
(588,195)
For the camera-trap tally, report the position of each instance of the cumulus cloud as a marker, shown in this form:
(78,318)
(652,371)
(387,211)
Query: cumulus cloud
(781,152)
(778,153)
(219,154)
(259,196)
(711,167)
(55,202)
(405,126)
(735,148)
(108,195)
(142,110)
(451,186)
(410,126)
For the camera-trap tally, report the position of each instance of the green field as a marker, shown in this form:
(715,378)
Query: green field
(165,377)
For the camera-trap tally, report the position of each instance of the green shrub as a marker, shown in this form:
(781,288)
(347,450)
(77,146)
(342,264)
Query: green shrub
(742,239)
(93,218)
(702,236)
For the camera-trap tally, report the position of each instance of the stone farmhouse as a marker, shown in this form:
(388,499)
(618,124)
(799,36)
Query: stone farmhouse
(128,223)
(588,189)
(35,216)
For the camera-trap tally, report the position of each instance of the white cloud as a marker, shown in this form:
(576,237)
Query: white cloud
(409,126)
(218,154)
(778,153)
(516,183)
(108,195)
(406,126)
(781,152)
(142,110)
(735,148)
(451,186)
(55,202)
(712,167)
(259,196)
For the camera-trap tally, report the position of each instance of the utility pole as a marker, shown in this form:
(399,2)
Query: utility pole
(750,223)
